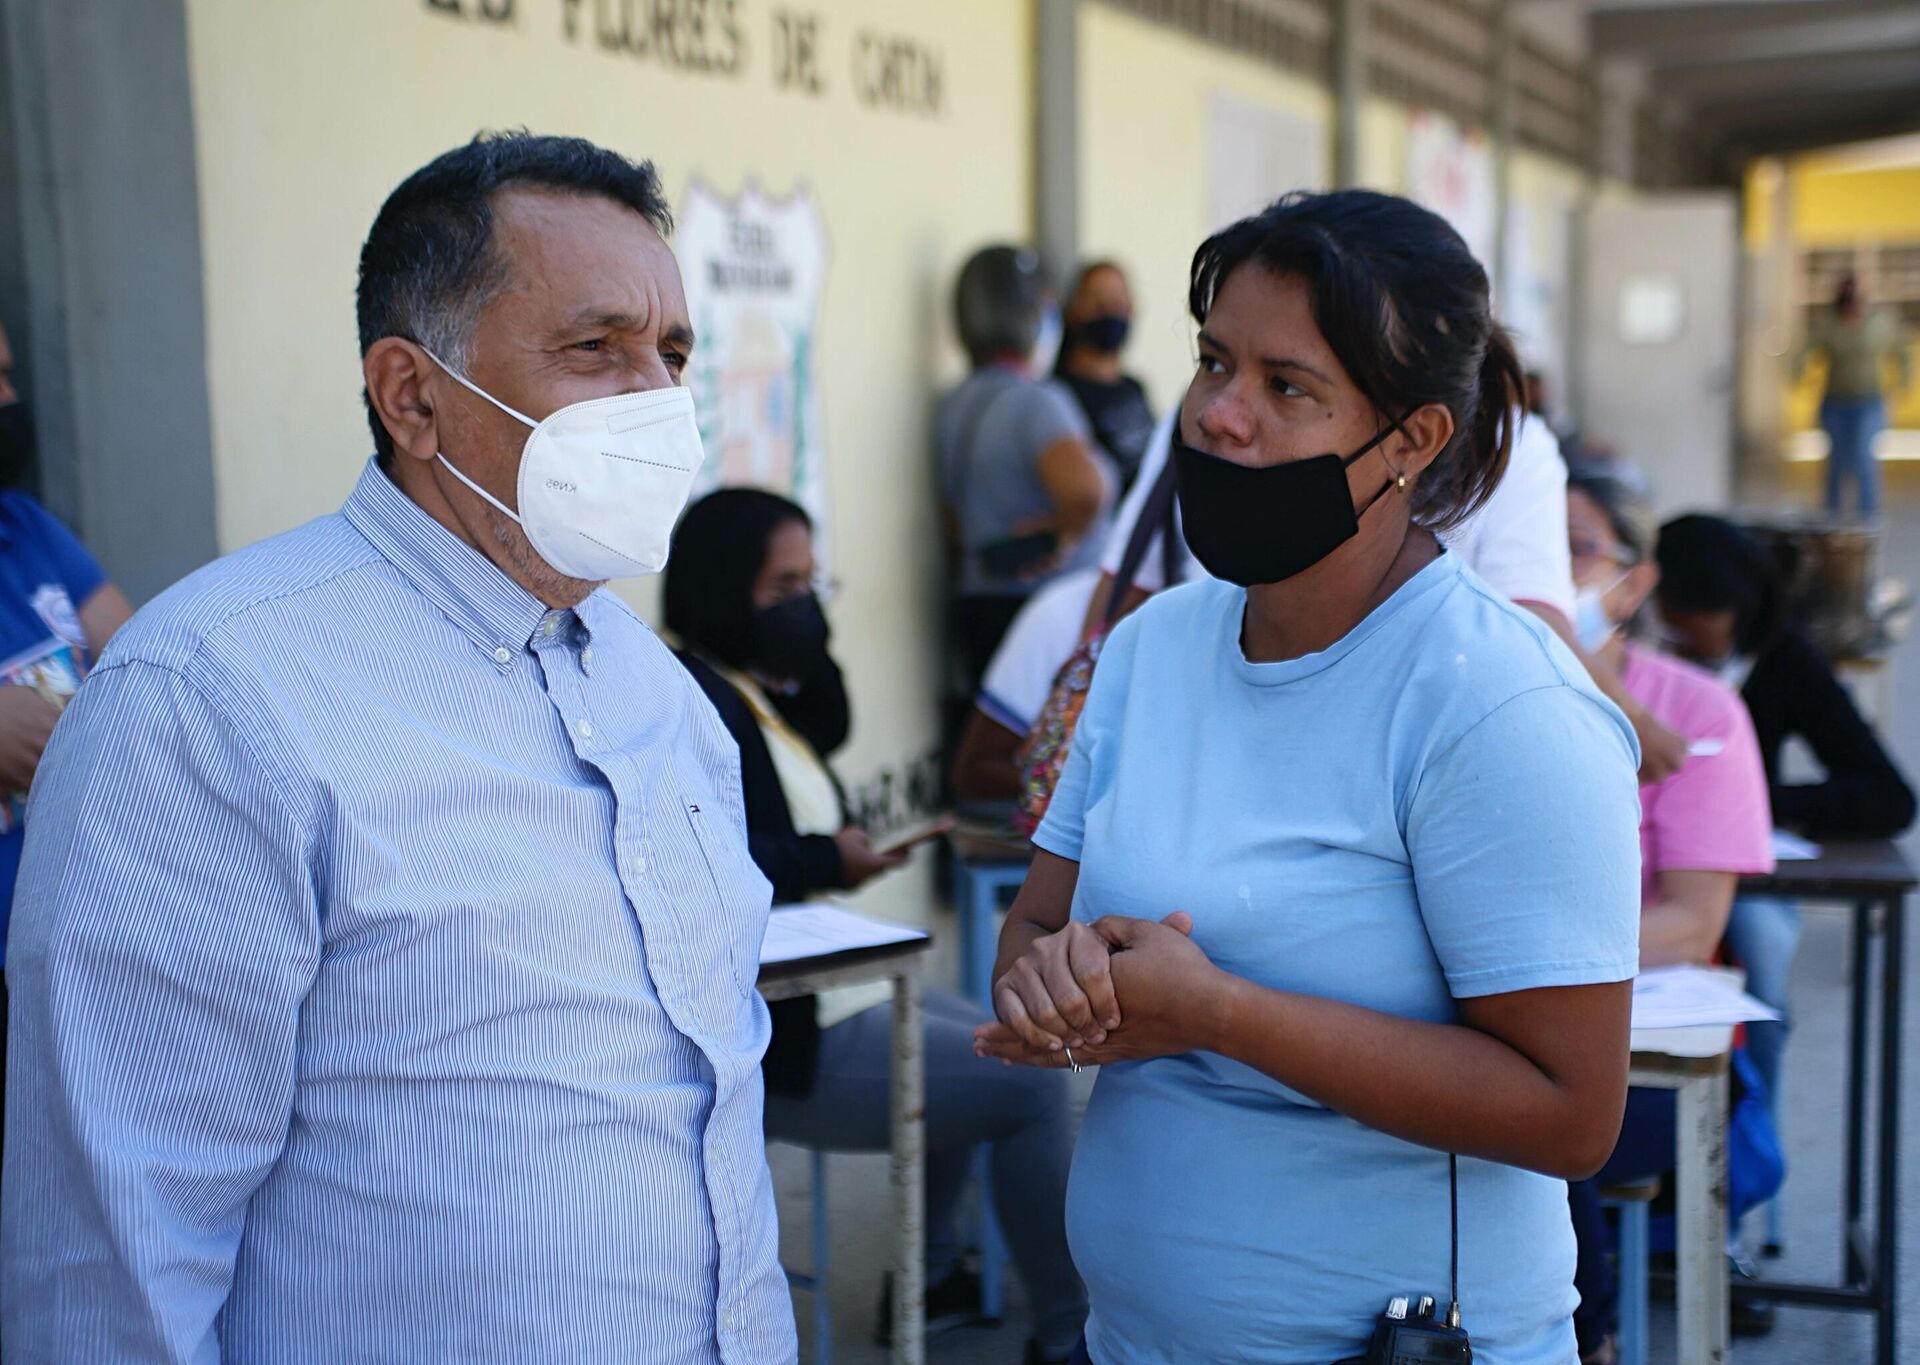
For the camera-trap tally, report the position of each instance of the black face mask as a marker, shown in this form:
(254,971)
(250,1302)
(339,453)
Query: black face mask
(1249,525)
(1105,333)
(790,638)
(16,444)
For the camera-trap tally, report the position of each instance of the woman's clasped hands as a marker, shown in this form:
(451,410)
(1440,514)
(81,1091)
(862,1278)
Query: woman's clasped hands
(1117,990)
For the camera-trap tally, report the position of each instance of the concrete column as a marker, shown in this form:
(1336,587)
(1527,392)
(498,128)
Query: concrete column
(1579,305)
(107,254)
(1501,118)
(1349,87)
(1056,109)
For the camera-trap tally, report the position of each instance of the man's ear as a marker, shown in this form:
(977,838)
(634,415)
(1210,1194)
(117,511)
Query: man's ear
(1419,440)
(395,371)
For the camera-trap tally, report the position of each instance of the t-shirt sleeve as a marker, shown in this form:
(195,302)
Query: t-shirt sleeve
(1045,413)
(1517,542)
(1524,839)
(1714,815)
(79,572)
(1151,575)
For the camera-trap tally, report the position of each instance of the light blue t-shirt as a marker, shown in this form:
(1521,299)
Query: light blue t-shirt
(1438,806)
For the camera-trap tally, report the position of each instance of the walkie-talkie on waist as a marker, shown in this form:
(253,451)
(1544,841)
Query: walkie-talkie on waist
(1409,1333)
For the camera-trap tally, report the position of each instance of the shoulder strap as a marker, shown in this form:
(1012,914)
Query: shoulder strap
(1156,518)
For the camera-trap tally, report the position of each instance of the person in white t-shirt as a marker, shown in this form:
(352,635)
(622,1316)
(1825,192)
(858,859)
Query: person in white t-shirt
(1016,685)
(1516,542)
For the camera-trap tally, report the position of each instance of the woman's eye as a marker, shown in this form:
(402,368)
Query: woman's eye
(1286,390)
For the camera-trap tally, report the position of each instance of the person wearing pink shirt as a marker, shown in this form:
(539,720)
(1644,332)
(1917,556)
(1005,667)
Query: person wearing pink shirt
(1710,823)
(1701,830)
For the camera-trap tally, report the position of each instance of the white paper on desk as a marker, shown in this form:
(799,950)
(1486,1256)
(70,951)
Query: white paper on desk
(1689,997)
(1791,848)
(797,931)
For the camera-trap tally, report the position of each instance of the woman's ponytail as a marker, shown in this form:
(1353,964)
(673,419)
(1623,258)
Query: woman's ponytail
(1499,401)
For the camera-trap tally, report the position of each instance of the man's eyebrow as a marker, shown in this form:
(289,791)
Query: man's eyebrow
(593,319)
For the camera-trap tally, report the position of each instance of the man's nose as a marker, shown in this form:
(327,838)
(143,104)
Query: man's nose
(651,372)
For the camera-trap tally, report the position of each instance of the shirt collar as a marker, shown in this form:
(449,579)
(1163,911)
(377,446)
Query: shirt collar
(497,614)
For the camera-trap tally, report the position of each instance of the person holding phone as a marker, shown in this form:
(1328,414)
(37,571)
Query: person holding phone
(1024,493)
(1341,876)
(741,596)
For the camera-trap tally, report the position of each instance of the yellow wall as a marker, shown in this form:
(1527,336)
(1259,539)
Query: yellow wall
(308,115)
(1543,182)
(1145,93)
(1383,145)
(1837,207)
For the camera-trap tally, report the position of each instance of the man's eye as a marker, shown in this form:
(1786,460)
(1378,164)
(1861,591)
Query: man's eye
(1211,365)
(675,360)
(591,345)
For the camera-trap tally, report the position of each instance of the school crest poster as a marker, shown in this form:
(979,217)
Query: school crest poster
(755,266)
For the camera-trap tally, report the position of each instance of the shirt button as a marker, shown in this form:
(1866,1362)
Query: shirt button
(503,655)
(637,865)
(585,728)
(586,657)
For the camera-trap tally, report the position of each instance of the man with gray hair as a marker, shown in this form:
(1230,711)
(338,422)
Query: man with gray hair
(384,955)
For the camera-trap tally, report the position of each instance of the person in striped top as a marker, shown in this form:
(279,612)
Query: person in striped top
(384,954)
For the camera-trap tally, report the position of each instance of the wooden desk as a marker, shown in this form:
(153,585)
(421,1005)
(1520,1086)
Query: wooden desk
(906,1139)
(1872,880)
(1699,1084)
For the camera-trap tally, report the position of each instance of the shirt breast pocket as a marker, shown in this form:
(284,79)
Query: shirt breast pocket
(741,894)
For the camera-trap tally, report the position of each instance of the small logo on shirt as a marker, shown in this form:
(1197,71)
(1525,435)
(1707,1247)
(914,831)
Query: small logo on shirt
(54,607)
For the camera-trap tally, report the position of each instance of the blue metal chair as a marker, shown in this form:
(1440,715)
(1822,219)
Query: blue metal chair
(815,1281)
(1630,1203)
(979,888)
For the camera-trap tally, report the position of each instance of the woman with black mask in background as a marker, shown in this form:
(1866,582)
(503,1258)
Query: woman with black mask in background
(739,594)
(1098,318)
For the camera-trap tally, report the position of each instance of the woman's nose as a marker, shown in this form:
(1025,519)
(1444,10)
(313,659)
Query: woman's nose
(1225,420)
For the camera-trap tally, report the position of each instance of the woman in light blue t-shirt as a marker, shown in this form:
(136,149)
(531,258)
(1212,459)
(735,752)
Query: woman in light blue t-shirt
(1342,875)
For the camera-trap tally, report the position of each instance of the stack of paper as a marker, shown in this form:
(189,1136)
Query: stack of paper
(1688,997)
(801,931)
(1791,848)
